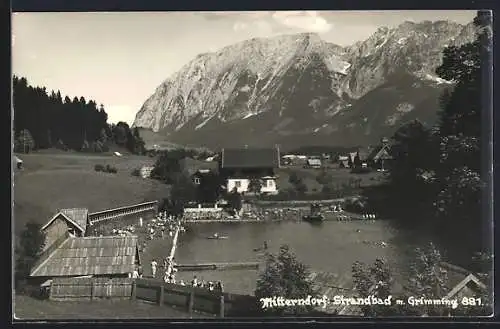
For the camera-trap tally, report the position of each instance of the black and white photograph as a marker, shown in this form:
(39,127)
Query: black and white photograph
(251,164)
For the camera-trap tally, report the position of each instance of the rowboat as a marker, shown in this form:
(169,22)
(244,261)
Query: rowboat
(217,237)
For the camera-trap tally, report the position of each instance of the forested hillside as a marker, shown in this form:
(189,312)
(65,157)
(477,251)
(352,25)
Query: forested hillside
(43,120)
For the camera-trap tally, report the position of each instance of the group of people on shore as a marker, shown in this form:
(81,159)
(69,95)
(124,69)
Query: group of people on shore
(210,285)
(170,271)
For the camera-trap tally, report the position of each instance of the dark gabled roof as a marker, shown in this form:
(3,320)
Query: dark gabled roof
(76,216)
(78,256)
(250,158)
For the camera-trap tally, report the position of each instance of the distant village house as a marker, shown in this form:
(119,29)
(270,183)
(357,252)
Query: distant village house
(380,157)
(145,171)
(238,167)
(200,175)
(313,163)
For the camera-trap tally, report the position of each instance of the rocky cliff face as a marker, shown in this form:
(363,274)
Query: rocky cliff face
(298,89)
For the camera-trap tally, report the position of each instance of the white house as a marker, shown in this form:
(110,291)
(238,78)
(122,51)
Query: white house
(239,167)
(145,171)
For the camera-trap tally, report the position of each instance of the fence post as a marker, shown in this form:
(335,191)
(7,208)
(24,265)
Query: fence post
(92,289)
(162,292)
(191,301)
(133,293)
(221,309)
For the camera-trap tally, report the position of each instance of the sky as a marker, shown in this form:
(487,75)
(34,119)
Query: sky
(120,58)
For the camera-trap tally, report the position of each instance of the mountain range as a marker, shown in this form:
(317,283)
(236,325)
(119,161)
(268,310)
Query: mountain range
(298,89)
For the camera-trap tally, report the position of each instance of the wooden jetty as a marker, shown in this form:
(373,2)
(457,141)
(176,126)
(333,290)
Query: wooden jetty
(218,266)
(226,220)
(172,251)
(331,285)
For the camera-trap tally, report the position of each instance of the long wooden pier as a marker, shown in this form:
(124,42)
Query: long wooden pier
(172,251)
(218,266)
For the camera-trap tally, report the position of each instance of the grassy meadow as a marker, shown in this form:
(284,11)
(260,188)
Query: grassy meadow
(28,308)
(54,180)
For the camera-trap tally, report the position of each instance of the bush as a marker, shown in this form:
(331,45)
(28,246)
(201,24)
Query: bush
(360,170)
(107,168)
(111,169)
(284,276)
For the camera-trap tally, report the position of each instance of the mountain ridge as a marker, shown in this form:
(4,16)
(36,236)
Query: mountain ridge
(291,87)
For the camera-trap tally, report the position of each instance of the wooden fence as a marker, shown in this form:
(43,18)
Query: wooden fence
(194,298)
(189,298)
(90,288)
(105,215)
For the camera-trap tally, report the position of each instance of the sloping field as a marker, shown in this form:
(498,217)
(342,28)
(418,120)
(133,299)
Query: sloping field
(27,308)
(52,181)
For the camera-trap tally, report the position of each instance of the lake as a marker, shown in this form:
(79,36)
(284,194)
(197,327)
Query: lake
(332,246)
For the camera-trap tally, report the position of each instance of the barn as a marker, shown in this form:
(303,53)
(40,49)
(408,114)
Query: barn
(73,220)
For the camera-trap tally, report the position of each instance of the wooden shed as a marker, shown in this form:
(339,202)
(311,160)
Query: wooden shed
(109,256)
(74,221)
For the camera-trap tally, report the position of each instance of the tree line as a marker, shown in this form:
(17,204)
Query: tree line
(436,178)
(43,120)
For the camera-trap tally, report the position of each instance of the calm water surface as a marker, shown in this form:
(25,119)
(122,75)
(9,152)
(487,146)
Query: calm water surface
(331,246)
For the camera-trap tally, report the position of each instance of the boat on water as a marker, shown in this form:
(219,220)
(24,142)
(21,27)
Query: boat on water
(263,248)
(315,215)
(314,218)
(216,236)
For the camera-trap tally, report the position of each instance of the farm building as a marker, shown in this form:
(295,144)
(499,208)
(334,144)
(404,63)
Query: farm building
(202,175)
(348,160)
(380,156)
(292,159)
(17,163)
(238,167)
(73,221)
(108,256)
(145,171)
(313,163)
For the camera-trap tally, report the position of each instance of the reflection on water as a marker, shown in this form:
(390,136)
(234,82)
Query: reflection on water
(331,246)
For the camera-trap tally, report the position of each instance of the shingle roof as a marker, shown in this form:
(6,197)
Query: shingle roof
(250,158)
(90,256)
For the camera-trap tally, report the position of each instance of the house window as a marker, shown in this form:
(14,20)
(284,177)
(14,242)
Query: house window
(197,180)
(237,184)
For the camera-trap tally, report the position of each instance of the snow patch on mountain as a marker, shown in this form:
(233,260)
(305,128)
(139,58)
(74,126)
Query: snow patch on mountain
(204,122)
(437,79)
(249,115)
